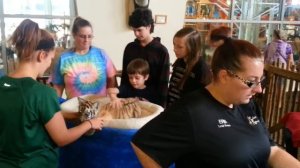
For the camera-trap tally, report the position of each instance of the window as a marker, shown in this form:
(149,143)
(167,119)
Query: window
(252,20)
(54,15)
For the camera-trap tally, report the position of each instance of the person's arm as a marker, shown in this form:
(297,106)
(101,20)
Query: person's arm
(61,135)
(112,82)
(57,78)
(115,102)
(110,72)
(112,93)
(265,52)
(291,60)
(172,141)
(164,79)
(59,89)
(281,159)
(125,62)
(145,160)
(289,53)
(278,158)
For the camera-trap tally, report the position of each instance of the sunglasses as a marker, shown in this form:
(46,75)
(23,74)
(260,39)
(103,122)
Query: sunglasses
(85,36)
(250,84)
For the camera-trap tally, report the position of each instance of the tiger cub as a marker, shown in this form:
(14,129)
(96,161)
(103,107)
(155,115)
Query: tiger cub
(89,109)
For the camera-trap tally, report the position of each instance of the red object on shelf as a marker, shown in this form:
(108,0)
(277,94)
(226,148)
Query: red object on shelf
(292,121)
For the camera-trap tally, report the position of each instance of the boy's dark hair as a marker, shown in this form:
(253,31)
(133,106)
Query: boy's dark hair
(141,17)
(138,66)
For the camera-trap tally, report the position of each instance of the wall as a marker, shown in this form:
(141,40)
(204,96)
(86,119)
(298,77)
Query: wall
(109,19)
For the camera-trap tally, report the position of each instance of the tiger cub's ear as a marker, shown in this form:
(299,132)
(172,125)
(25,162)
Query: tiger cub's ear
(81,100)
(82,105)
(95,105)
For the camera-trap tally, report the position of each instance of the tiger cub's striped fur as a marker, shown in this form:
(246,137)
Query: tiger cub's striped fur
(89,109)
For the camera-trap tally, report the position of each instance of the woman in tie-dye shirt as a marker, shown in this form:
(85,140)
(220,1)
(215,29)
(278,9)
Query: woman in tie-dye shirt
(83,69)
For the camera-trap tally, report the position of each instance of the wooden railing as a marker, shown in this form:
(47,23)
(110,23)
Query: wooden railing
(281,94)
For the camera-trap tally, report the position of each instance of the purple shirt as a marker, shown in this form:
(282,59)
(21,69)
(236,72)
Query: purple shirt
(277,49)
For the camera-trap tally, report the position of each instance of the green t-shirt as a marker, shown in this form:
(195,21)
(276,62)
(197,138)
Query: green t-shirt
(25,107)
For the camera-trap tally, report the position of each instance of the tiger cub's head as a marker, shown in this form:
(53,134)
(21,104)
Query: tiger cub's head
(87,109)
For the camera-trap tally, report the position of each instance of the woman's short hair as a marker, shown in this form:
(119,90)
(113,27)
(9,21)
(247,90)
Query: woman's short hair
(78,23)
(220,33)
(280,34)
(138,66)
(228,55)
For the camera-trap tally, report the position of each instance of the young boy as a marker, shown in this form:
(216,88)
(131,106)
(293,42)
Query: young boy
(138,73)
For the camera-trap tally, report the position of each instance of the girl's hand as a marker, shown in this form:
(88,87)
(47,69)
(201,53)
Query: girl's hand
(116,103)
(96,123)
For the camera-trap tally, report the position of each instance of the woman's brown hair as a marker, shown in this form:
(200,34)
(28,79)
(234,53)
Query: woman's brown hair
(220,33)
(228,55)
(28,37)
(79,22)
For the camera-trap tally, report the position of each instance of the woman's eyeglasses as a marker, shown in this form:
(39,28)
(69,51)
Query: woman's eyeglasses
(85,36)
(250,84)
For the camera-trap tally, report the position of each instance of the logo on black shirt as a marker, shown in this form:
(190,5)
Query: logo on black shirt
(222,123)
(253,120)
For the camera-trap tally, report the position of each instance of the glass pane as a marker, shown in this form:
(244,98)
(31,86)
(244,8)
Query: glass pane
(262,34)
(2,70)
(258,34)
(205,27)
(217,9)
(37,7)
(256,10)
(60,28)
(293,37)
(292,31)
(60,7)
(292,10)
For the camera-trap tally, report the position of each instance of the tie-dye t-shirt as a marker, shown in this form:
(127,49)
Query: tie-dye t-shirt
(83,74)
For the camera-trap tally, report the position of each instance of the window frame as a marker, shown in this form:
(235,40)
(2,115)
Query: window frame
(3,16)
